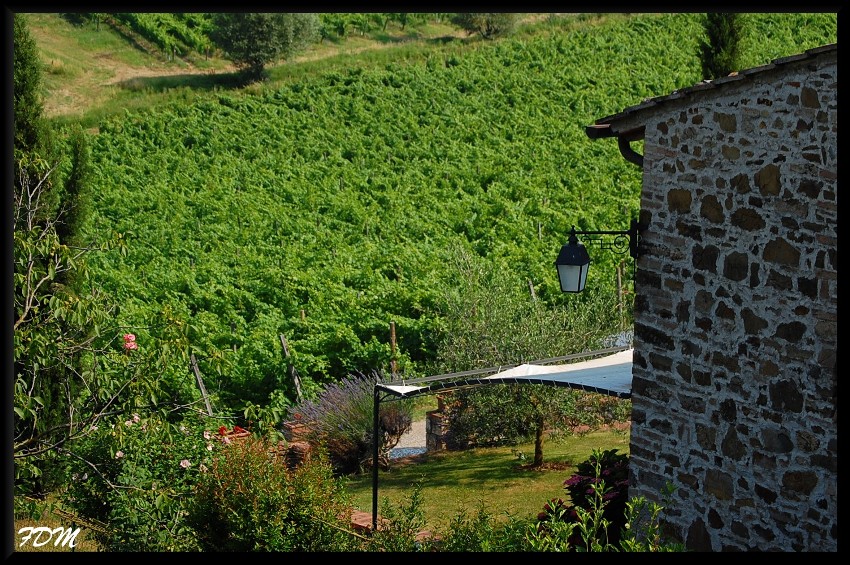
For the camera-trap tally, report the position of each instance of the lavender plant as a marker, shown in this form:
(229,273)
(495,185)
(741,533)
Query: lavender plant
(341,419)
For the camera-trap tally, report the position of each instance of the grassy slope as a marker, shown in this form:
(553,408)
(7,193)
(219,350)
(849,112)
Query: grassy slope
(93,71)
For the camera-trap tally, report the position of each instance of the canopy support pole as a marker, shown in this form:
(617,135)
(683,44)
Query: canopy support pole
(375,448)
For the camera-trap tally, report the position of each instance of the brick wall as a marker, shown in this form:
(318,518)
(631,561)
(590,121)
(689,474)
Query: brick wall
(734,379)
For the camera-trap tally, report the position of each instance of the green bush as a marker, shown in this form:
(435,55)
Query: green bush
(481,532)
(249,500)
(137,475)
(401,526)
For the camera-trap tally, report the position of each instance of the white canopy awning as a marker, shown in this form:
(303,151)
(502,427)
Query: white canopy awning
(607,371)
(611,375)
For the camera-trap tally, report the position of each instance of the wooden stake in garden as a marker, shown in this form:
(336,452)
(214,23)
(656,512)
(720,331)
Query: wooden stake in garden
(392,349)
(194,365)
(291,368)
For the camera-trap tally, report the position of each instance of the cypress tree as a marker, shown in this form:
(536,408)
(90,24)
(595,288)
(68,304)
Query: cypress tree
(26,96)
(719,50)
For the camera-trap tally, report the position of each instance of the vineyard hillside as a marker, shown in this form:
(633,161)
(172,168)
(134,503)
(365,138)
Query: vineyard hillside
(347,195)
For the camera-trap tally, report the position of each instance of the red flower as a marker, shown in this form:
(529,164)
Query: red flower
(238,430)
(222,431)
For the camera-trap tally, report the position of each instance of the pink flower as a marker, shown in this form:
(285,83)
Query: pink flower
(209,447)
(226,440)
(136,418)
(119,454)
(185,464)
(128,423)
(131,345)
(129,337)
(207,434)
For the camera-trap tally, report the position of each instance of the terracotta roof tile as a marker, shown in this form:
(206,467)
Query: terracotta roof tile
(716,83)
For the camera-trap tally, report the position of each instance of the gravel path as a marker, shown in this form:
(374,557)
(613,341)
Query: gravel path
(415,437)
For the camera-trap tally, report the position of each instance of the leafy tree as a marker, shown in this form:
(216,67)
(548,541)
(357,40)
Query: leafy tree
(719,50)
(492,321)
(253,40)
(71,368)
(52,324)
(488,26)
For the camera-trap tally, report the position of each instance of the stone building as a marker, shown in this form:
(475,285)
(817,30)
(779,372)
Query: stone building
(734,392)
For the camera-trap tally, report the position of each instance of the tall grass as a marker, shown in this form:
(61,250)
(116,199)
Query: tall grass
(84,541)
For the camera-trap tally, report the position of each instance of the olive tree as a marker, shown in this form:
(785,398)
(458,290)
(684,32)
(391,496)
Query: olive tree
(253,40)
(488,26)
(493,320)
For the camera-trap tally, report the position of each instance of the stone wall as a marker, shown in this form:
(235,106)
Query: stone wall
(734,379)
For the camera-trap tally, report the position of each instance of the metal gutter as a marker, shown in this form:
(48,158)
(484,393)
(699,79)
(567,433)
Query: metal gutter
(624,140)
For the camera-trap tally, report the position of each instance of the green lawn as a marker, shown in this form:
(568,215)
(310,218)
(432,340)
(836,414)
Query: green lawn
(497,478)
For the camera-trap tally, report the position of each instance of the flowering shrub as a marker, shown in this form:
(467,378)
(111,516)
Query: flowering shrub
(609,467)
(599,493)
(250,501)
(130,342)
(341,419)
(137,474)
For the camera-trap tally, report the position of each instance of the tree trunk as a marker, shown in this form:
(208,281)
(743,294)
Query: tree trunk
(538,443)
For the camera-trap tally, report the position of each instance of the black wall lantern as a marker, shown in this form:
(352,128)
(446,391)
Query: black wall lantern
(573,260)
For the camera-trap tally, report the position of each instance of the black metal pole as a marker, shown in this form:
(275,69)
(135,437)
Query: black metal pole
(375,446)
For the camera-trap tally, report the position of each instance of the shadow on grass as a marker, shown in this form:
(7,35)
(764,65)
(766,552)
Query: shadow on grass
(475,466)
(499,477)
(194,81)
